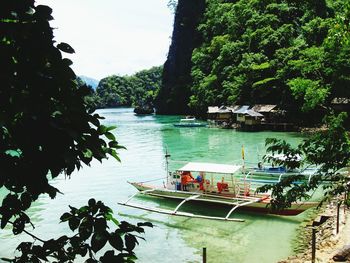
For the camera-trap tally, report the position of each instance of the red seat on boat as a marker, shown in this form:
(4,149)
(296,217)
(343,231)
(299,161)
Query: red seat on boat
(222,187)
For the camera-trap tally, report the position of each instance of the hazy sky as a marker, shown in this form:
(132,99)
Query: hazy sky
(113,36)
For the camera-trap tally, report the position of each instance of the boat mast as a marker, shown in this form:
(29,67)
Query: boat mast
(243,157)
(167,156)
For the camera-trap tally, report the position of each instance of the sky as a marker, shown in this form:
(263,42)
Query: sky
(112,37)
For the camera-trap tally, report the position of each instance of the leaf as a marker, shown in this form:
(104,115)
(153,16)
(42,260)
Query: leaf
(39,252)
(85,229)
(114,144)
(83,250)
(50,244)
(65,217)
(100,225)
(130,242)
(83,211)
(11,200)
(110,128)
(109,257)
(26,200)
(7,259)
(102,129)
(87,154)
(73,223)
(263,82)
(98,240)
(265,65)
(92,202)
(44,12)
(110,136)
(110,217)
(52,191)
(5,218)
(18,226)
(115,155)
(62,240)
(149,224)
(65,48)
(116,241)
(67,62)
(73,209)
(139,230)
(24,247)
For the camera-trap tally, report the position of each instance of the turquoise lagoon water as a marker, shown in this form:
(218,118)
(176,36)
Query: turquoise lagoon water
(260,238)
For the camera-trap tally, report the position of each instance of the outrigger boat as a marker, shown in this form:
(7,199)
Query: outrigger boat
(190,121)
(279,170)
(211,183)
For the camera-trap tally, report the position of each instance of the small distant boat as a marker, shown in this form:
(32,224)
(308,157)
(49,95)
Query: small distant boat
(272,170)
(280,171)
(190,121)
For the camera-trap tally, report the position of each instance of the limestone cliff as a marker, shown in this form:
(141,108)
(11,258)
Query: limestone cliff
(175,91)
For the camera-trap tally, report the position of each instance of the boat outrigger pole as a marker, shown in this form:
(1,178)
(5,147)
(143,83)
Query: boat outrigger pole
(236,202)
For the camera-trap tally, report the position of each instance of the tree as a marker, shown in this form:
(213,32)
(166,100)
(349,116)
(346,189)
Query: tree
(263,52)
(114,91)
(137,90)
(146,84)
(329,150)
(247,50)
(46,126)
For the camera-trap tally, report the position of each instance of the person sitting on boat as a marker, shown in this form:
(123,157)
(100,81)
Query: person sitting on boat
(199,178)
(186,179)
(260,165)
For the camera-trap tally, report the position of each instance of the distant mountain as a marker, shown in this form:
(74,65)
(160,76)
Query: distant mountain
(90,81)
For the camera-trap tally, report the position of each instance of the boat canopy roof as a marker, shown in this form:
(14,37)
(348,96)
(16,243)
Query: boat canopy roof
(188,119)
(211,168)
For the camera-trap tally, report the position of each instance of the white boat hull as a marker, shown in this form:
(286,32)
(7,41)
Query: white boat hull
(260,206)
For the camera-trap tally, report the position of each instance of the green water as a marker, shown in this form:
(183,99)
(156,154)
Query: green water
(261,238)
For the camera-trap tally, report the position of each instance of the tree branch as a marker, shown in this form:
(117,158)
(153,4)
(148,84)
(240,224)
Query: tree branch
(30,234)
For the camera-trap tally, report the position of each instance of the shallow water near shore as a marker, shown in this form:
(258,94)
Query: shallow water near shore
(260,238)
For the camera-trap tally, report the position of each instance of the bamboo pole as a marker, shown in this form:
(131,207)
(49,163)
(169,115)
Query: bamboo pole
(338,213)
(313,252)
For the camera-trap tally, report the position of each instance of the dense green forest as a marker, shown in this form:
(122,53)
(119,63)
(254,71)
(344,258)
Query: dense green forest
(138,90)
(286,52)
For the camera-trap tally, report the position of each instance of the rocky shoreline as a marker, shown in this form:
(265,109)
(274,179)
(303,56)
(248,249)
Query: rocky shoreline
(312,130)
(328,242)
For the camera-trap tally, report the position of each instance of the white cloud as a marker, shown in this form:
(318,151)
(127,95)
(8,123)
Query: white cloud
(113,36)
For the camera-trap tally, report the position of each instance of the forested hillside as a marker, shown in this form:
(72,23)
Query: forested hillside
(286,52)
(139,89)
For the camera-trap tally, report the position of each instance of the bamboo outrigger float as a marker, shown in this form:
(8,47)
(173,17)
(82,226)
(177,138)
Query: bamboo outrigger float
(211,183)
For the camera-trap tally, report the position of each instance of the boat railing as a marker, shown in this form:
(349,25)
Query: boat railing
(249,177)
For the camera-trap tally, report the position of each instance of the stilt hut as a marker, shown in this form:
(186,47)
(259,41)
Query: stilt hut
(222,115)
